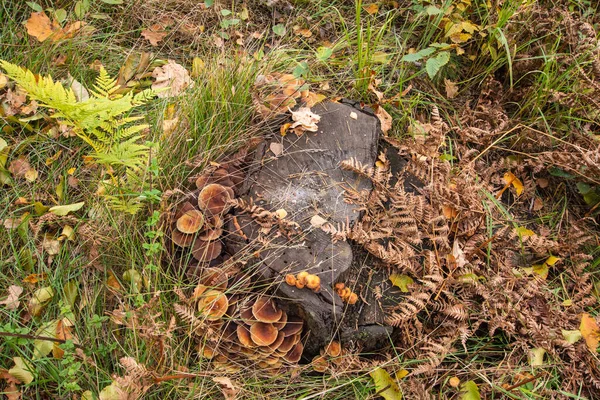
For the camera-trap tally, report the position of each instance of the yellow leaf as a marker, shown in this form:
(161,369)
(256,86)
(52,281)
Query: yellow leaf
(71,171)
(590,332)
(401,281)
(21,371)
(371,8)
(40,298)
(385,385)
(31,175)
(552,260)
(64,210)
(401,374)
(524,232)
(460,37)
(511,179)
(536,357)
(539,269)
(571,336)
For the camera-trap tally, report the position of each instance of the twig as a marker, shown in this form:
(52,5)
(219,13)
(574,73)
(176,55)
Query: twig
(37,337)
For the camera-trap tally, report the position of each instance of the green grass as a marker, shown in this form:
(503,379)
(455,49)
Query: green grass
(216,116)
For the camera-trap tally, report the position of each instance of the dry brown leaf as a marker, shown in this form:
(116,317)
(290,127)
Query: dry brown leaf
(227,387)
(40,27)
(304,120)
(172,77)
(12,301)
(590,332)
(451,88)
(384,118)
(276,148)
(154,34)
(34,278)
(317,221)
(19,167)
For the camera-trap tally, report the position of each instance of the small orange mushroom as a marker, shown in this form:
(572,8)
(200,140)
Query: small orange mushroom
(214,199)
(353,298)
(190,222)
(301,277)
(319,364)
(290,279)
(333,349)
(213,305)
(293,326)
(264,310)
(263,334)
(243,335)
(313,282)
(295,353)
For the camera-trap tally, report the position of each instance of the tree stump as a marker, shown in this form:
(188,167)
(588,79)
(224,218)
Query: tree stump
(305,180)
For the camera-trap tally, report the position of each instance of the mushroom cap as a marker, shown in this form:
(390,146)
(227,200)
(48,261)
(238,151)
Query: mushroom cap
(206,251)
(181,239)
(246,316)
(287,344)
(213,305)
(220,176)
(295,353)
(334,348)
(183,208)
(302,277)
(319,364)
(214,277)
(264,310)
(293,326)
(290,279)
(190,222)
(275,345)
(263,334)
(313,282)
(353,298)
(243,335)
(282,321)
(214,198)
(339,286)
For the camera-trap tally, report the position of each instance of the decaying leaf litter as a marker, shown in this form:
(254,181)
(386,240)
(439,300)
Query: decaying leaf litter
(489,231)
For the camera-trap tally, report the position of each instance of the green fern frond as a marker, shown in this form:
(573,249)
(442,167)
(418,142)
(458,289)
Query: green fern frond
(105,86)
(41,89)
(129,205)
(127,154)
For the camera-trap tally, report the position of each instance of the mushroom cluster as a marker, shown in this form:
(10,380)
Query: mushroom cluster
(304,279)
(331,354)
(234,330)
(347,295)
(256,332)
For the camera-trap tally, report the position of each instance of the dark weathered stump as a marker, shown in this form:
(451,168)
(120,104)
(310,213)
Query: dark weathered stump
(305,180)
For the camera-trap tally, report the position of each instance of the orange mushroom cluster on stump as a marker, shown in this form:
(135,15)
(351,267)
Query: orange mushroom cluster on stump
(347,295)
(304,279)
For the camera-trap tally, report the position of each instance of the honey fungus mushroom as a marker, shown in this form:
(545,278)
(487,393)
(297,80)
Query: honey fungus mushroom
(205,251)
(213,305)
(190,222)
(215,199)
(264,310)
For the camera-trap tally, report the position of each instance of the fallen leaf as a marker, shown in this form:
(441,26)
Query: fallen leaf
(154,34)
(50,245)
(64,210)
(317,221)
(510,179)
(384,118)
(353,115)
(304,120)
(538,204)
(590,332)
(19,167)
(21,371)
(170,80)
(524,232)
(449,211)
(371,8)
(401,281)
(536,357)
(284,128)
(40,27)
(81,93)
(227,387)
(385,386)
(41,348)
(469,391)
(31,175)
(39,300)
(276,148)
(451,88)
(34,278)
(403,373)
(572,336)
(542,183)
(12,301)
(197,67)
(281,213)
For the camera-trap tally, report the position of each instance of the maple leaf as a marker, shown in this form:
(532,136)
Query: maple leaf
(154,34)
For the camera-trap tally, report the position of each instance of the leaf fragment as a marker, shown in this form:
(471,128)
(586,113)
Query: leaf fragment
(12,301)
(21,371)
(385,386)
(64,210)
(572,336)
(401,281)
(469,391)
(590,332)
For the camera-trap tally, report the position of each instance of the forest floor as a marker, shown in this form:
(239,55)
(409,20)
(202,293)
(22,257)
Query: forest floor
(494,104)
